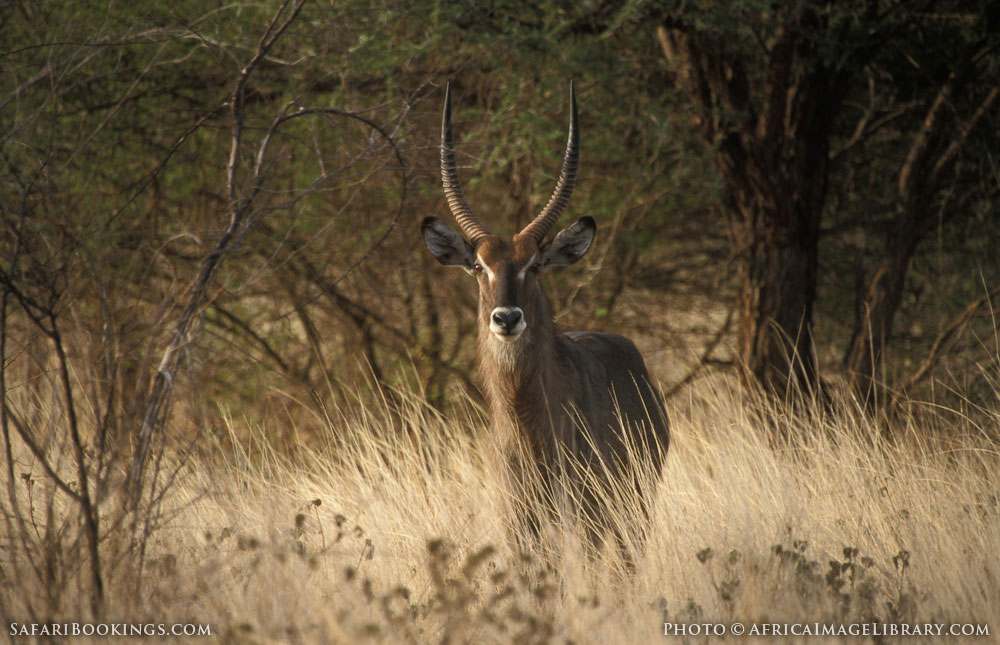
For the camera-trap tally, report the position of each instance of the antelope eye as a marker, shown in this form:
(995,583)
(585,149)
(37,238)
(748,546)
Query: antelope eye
(478,268)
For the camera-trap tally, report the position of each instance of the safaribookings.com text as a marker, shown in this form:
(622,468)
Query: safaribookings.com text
(108,629)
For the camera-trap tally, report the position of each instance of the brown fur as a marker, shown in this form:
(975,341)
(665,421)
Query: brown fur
(574,416)
(547,389)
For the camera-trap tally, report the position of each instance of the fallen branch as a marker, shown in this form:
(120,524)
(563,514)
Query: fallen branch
(705,357)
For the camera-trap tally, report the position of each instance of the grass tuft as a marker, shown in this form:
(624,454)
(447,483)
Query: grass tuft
(395,537)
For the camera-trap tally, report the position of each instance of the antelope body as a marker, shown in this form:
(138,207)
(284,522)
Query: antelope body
(571,408)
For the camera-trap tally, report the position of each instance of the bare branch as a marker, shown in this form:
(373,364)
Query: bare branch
(919,145)
(705,358)
(159,397)
(945,336)
(951,152)
(25,434)
(271,35)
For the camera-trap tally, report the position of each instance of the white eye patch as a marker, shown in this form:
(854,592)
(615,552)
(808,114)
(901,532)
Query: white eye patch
(491,276)
(486,269)
(527,267)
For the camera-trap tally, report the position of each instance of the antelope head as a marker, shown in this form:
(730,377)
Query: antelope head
(511,302)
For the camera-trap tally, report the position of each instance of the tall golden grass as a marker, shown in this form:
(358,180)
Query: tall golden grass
(393,531)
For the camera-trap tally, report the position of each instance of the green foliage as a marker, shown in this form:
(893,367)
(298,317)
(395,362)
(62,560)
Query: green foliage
(119,132)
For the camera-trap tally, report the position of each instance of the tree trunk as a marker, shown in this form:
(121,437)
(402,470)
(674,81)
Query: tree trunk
(929,161)
(874,318)
(777,289)
(771,136)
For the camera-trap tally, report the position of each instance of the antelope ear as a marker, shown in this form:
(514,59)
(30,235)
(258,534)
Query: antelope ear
(446,245)
(570,244)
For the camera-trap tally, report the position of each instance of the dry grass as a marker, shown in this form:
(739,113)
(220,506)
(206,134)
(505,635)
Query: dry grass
(392,537)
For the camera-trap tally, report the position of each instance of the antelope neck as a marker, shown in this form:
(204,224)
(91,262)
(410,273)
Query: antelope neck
(520,376)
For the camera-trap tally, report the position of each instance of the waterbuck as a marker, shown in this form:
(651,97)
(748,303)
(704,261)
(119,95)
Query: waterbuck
(573,414)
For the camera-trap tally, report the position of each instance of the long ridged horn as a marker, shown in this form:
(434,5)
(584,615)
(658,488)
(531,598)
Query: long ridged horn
(449,178)
(567,178)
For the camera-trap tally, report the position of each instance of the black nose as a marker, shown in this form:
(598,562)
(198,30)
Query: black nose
(507,319)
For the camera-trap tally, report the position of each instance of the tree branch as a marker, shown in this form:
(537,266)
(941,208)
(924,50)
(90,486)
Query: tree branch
(943,338)
(158,401)
(951,152)
(704,360)
(914,156)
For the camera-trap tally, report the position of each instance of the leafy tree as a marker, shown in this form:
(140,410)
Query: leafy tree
(774,87)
